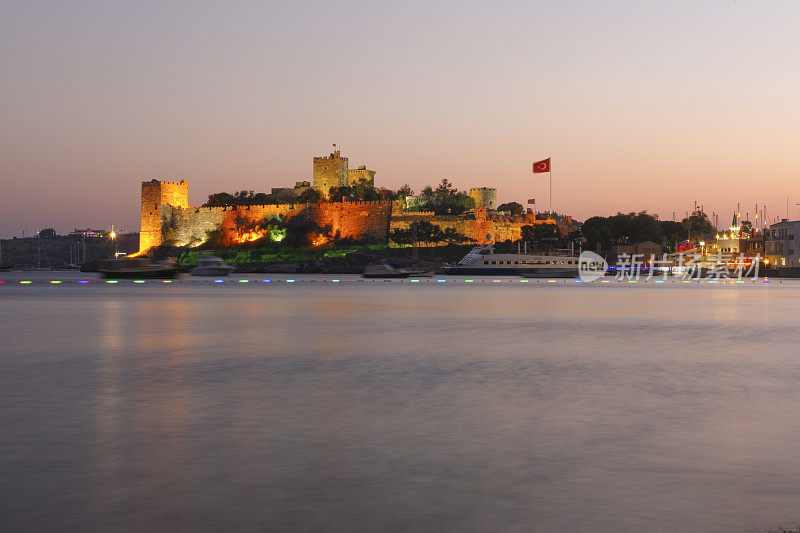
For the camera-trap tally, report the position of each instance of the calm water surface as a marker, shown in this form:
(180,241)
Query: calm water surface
(369,406)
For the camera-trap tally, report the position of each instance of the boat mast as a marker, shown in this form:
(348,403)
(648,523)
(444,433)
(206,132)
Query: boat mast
(414,238)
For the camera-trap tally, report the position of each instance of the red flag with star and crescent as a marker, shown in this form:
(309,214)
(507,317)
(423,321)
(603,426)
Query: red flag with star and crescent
(542,166)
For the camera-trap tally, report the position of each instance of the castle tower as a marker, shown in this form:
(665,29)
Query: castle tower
(484,197)
(156,193)
(361,176)
(330,172)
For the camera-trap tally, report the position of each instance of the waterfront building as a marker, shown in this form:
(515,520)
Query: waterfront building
(645,251)
(781,247)
(735,241)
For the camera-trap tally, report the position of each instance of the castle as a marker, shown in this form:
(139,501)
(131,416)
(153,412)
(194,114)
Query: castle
(167,217)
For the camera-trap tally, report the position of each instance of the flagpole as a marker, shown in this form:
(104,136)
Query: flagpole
(550,173)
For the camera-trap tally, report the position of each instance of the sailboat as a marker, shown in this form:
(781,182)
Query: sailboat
(3,267)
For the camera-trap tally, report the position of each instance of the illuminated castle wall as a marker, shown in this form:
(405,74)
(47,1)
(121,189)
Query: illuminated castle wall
(155,195)
(479,225)
(357,220)
(167,216)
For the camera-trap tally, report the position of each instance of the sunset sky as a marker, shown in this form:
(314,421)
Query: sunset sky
(643,105)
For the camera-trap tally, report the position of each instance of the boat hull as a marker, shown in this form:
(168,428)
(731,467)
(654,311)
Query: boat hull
(387,275)
(152,273)
(469,271)
(211,271)
(551,273)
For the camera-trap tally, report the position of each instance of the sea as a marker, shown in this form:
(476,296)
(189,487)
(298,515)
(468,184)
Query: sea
(334,403)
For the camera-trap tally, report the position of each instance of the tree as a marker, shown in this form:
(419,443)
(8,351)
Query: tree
(453,236)
(310,196)
(539,232)
(365,193)
(674,232)
(697,224)
(444,191)
(243,197)
(597,232)
(47,232)
(338,194)
(514,207)
(634,227)
(428,232)
(219,199)
(261,198)
(402,236)
(404,191)
(285,196)
(385,194)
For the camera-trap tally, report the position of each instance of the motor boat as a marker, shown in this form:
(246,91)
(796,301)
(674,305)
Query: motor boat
(135,268)
(482,260)
(211,266)
(384,270)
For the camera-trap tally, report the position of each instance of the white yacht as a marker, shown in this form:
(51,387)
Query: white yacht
(482,260)
(211,266)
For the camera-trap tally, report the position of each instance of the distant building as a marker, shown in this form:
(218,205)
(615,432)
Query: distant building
(299,188)
(781,247)
(87,232)
(645,251)
(361,176)
(332,171)
(735,242)
(411,202)
(484,197)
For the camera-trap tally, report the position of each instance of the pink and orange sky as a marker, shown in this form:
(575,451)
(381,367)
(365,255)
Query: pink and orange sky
(642,105)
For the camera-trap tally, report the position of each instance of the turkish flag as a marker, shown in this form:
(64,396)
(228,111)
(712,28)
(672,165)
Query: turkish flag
(541,166)
(532,201)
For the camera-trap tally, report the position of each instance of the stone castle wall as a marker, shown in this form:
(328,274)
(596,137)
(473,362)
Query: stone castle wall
(155,195)
(478,225)
(357,220)
(167,217)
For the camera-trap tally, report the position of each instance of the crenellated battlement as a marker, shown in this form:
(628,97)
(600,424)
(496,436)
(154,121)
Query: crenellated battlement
(168,181)
(224,208)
